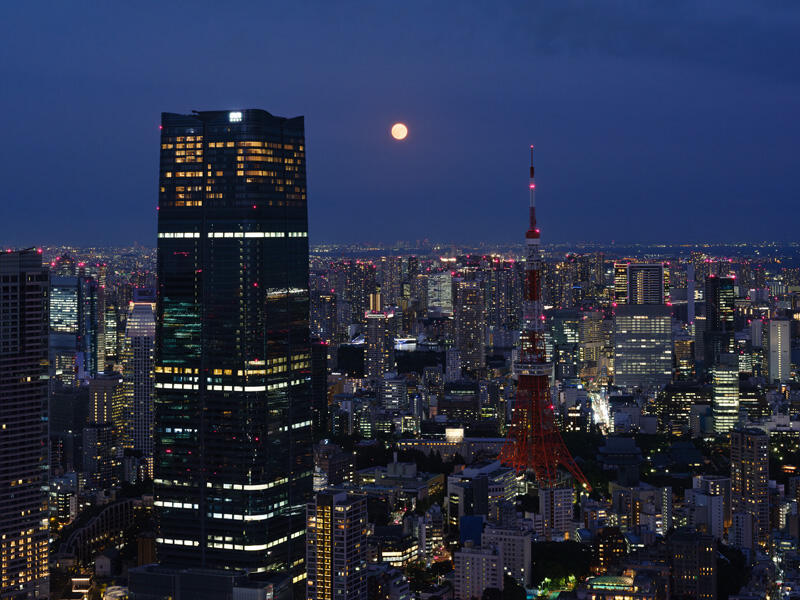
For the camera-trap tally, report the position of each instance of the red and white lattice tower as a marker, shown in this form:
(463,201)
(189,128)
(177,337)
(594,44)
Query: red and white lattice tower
(533,442)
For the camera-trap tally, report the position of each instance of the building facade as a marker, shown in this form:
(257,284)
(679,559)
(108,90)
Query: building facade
(336,547)
(233,464)
(24,326)
(750,479)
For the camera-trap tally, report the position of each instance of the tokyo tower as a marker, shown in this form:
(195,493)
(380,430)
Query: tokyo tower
(533,442)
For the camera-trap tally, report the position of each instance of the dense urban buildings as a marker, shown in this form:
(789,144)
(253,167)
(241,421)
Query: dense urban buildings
(23,425)
(233,461)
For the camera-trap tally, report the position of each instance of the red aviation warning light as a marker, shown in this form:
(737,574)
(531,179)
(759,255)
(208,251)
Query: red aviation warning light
(533,442)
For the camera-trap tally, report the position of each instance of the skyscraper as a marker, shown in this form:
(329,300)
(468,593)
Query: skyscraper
(104,433)
(336,548)
(725,386)
(380,344)
(468,311)
(138,355)
(24,328)
(232,375)
(778,342)
(642,346)
(648,283)
(750,480)
(718,335)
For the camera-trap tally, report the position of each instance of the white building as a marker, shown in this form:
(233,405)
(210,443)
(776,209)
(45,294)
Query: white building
(556,508)
(477,569)
(517,545)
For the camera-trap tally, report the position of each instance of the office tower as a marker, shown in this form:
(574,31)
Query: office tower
(750,479)
(24,326)
(683,356)
(380,345)
(139,375)
(469,317)
(440,292)
(477,569)
(642,346)
(648,283)
(233,461)
(725,389)
(336,547)
(693,558)
(111,338)
(563,335)
(778,342)
(64,328)
(718,335)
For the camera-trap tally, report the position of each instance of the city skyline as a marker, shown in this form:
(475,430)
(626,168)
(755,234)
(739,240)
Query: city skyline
(278,323)
(638,128)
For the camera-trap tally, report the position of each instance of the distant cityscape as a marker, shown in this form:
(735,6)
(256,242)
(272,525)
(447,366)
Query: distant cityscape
(237,412)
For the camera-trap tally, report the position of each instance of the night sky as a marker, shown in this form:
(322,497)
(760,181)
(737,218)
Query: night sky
(679,122)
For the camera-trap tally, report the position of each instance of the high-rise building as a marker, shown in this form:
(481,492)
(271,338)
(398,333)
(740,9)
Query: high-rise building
(621,283)
(380,344)
(641,283)
(750,479)
(778,343)
(323,316)
(440,292)
(468,311)
(336,547)
(718,335)
(23,426)
(683,354)
(648,283)
(139,374)
(642,346)
(233,464)
(106,432)
(725,390)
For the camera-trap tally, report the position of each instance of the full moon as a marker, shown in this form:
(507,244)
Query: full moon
(399,131)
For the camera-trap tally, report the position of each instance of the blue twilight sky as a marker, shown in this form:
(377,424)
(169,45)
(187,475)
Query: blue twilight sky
(653,121)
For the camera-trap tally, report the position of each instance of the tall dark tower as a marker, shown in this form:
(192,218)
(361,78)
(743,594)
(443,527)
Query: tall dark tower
(534,442)
(720,308)
(232,364)
(23,425)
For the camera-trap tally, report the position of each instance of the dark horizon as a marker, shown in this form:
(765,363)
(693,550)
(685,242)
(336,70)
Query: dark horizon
(667,123)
